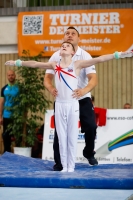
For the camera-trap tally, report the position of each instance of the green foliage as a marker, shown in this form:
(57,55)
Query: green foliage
(30,102)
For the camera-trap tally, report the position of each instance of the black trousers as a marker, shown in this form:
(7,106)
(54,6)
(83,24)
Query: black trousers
(6,135)
(88,126)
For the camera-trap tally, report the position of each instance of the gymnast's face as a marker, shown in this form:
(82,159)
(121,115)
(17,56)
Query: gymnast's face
(67,49)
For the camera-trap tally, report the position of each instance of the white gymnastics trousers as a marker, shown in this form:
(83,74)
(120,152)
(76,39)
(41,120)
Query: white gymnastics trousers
(66,120)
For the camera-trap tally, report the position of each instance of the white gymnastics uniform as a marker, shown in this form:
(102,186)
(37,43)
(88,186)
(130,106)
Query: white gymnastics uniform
(66,114)
(79,55)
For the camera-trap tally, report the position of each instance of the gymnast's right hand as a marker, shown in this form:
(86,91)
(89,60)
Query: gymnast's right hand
(10,63)
(53,91)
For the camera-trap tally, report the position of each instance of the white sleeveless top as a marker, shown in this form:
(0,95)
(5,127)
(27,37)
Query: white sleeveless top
(66,81)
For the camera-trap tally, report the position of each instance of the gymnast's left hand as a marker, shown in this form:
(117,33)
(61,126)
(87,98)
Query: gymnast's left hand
(10,63)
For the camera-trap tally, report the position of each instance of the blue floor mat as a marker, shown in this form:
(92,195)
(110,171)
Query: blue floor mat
(20,171)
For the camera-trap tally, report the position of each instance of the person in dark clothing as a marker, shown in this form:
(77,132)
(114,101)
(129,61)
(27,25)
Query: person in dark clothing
(7,93)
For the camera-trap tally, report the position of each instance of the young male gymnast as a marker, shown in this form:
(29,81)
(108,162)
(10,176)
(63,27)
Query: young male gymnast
(67,107)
